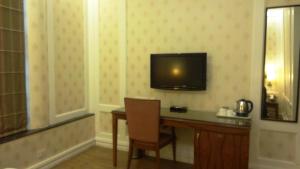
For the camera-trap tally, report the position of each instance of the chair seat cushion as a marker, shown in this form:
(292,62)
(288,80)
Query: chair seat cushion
(165,139)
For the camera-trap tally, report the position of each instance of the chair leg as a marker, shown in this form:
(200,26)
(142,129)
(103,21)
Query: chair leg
(157,159)
(174,144)
(129,153)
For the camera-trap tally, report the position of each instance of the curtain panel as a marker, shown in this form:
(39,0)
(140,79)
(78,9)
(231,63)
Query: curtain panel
(13,110)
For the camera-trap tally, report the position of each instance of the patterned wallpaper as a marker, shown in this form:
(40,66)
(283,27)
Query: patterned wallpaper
(105,122)
(179,26)
(23,153)
(216,27)
(109,52)
(69,55)
(220,28)
(277,145)
(38,63)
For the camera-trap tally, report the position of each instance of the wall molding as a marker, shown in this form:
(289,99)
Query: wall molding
(107,107)
(107,143)
(271,163)
(51,61)
(257,166)
(263,166)
(92,32)
(255,90)
(53,116)
(27,67)
(104,139)
(123,50)
(268,163)
(58,158)
(271,3)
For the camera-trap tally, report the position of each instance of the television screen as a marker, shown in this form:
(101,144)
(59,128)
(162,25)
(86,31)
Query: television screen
(185,71)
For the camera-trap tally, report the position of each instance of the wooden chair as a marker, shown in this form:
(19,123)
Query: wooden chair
(143,118)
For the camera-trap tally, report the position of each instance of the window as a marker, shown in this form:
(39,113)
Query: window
(13,109)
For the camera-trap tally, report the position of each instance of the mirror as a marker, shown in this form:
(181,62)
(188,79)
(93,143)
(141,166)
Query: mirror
(280,94)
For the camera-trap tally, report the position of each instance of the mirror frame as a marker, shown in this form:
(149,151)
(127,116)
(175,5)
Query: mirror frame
(263,70)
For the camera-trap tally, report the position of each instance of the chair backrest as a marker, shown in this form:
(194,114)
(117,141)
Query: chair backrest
(143,117)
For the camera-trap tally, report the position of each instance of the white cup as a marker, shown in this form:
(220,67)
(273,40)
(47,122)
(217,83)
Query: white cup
(222,111)
(230,112)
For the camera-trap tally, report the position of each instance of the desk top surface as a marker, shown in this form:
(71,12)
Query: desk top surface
(198,116)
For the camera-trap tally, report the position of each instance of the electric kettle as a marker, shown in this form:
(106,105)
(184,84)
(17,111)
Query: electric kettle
(243,107)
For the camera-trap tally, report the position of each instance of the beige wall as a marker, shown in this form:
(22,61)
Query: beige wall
(272,143)
(109,51)
(222,29)
(69,53)
(30,150)
(278,141)
(277,145)
(179,26)
(275,3)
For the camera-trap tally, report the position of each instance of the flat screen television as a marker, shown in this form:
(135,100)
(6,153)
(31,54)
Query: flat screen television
(182,71)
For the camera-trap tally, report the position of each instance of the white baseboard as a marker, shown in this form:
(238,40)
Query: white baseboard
(269,163)
(107,143)
(256,166)
(264,166)
(104,141)
(58,158)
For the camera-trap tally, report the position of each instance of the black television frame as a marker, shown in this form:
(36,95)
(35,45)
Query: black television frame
(201,87)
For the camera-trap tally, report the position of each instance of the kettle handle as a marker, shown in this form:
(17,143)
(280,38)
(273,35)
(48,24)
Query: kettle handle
(251,105)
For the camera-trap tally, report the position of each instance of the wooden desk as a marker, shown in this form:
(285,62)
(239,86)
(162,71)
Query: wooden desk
(219,142)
